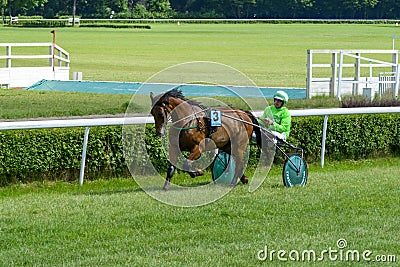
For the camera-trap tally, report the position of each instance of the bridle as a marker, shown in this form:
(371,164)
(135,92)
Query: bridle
(163,106)
(199,126)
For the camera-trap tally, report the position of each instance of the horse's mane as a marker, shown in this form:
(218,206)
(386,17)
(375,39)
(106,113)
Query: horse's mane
(178,94)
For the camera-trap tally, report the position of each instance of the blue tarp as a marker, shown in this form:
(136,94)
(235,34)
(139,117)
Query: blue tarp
(146,88)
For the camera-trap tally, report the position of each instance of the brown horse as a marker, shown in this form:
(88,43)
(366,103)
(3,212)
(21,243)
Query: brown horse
(191,131)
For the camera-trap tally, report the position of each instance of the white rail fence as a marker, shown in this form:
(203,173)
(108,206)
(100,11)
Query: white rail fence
(326,76)
(371,82)
(40,124)
(23,64)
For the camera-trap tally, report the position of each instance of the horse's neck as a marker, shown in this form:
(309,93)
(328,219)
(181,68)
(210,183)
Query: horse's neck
(183,111)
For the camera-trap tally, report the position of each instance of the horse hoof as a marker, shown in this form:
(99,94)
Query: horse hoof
(244,180)
(196,173)
(165,187)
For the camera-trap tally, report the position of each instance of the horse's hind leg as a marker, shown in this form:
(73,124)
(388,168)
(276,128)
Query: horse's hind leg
(239,172)
(170,173)
(243,179)
(187,166)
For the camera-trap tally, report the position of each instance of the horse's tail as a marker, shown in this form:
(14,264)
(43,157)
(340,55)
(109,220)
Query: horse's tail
(256,127)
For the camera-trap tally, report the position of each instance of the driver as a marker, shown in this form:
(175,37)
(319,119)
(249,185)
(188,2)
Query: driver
(281,122)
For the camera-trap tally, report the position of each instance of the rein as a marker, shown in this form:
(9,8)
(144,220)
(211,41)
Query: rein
(198,121)
(189,127)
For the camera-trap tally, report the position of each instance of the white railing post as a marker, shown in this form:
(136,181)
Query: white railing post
(333,85)
(396,85)
(324,129)
(309,74)
(357,74)
(340,75)
(84,149)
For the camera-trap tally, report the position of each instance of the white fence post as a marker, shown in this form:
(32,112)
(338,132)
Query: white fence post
(309,73)
(85,142)
(396,85)
(324,129)
(339,88)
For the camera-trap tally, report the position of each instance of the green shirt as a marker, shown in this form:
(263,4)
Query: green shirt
(281,117)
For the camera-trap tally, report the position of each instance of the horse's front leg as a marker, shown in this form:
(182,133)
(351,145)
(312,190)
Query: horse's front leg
(170,173)
(194,154)
(173,158)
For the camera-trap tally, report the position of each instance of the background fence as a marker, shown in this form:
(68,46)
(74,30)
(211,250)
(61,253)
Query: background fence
(23,64)
(329,74)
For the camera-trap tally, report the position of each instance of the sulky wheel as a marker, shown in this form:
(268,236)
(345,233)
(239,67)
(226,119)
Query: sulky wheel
(223,168)
(295,171)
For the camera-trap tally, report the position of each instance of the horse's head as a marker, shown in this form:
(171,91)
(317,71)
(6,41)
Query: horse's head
(163,107)
(160,112)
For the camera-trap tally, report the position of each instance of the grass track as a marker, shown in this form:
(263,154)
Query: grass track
(113,222)
(269,54)
(18,104)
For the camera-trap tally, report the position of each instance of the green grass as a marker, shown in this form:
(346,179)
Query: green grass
(273,55)
(113,222)
(19,104)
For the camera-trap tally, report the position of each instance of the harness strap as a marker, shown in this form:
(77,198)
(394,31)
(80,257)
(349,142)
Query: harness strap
(184,128)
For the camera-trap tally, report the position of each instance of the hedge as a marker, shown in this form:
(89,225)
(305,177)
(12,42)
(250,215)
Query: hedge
(54,154)
(348,136)
(37,21)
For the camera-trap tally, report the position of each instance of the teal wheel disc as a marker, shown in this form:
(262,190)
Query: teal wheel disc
(223,169)
(295,171)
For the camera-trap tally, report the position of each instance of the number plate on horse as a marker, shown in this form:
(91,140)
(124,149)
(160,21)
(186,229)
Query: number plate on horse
(216,118)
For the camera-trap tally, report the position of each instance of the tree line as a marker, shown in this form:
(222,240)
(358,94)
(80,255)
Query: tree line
(235,9)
